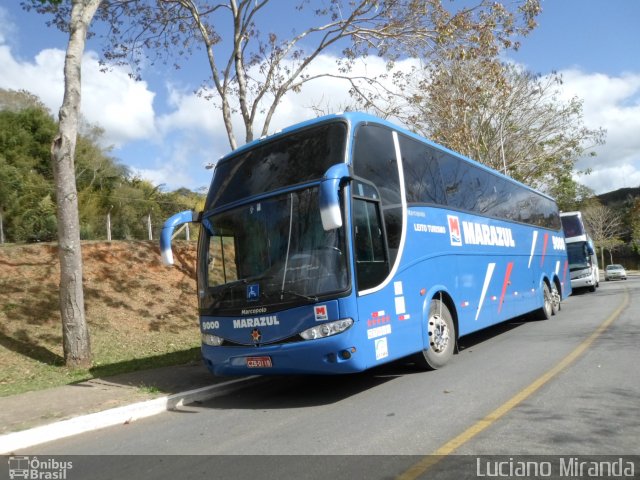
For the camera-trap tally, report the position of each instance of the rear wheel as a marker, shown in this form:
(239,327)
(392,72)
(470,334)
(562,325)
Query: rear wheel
(442,337)
(545,312)
(555,300)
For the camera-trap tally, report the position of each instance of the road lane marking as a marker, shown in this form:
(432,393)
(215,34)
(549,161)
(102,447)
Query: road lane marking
(448,448)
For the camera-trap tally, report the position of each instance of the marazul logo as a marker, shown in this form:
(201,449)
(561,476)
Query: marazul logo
(454,231)
(482,234)
(256,322)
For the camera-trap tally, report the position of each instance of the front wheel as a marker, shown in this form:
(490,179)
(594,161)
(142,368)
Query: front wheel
(442,338)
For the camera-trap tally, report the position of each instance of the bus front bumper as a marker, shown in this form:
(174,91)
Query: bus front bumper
(583,282)
(331,355)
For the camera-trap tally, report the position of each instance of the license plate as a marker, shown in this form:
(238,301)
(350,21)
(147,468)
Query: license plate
(259,362)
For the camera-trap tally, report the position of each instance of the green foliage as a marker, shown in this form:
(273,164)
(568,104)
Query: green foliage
(504,117)
(27,190)
(25,174)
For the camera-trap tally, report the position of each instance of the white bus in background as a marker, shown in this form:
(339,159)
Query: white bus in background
(583,261)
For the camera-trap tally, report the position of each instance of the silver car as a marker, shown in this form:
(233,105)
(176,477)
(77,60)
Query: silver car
(614,271)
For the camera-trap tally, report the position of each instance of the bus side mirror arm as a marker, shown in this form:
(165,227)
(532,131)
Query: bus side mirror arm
(187,216)
(329,197)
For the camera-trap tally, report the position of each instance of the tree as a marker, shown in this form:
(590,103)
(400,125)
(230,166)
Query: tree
(500,115)
(252,70)
(75,334)
(26,132)
(15,101)
(604,226)
(27,200)
(634,215)
(97,177)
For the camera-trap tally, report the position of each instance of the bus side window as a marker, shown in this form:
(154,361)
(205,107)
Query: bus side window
(371,264)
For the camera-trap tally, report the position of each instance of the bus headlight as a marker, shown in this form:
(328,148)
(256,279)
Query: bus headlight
(212,340)
(327,329)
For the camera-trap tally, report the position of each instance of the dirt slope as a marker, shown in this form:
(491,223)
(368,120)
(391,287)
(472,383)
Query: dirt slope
(135,306)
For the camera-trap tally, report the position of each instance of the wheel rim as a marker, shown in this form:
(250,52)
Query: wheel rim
(548,305)
(555,299)
(438,334)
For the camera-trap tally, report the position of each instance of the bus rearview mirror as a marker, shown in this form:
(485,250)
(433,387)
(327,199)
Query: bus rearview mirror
(330,212)
(168,228)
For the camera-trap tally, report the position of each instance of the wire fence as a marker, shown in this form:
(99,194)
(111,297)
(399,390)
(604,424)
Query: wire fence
(111,228)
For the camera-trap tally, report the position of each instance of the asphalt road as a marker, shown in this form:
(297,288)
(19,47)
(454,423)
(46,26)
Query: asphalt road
(569,386)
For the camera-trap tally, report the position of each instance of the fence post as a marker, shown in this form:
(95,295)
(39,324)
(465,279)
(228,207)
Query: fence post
(149,226)
(109,224)
(1,228)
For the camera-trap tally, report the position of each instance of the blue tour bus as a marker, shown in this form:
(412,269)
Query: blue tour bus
(346,242)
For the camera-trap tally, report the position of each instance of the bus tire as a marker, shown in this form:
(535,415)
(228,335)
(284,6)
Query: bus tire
(545,312)
(442,338)
(556,303)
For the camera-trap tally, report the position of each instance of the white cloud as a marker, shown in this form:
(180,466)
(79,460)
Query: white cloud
(178,161)
(607,178)
(113,100)
(613,103)
(7,29)
(192,112)
(168,175)
(195,135)
(192,133)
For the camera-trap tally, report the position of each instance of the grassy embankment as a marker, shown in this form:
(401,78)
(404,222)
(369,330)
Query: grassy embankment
(140,313)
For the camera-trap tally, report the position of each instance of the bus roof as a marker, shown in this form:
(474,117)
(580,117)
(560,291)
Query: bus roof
(354,118)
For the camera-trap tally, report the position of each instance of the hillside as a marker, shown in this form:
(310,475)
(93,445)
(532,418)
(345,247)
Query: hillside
(619,196)
(136,309)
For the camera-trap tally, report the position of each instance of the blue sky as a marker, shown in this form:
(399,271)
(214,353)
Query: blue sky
(165,133)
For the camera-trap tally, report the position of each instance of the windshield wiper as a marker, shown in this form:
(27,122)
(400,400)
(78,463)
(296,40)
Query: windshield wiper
(299,295)
(286,258)
(219,295)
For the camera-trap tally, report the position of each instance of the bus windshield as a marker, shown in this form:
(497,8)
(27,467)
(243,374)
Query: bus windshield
(578,256)
(270,252)
(296,158)
(572,225)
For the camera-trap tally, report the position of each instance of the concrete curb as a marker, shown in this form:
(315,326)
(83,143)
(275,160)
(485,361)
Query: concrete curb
(11,442)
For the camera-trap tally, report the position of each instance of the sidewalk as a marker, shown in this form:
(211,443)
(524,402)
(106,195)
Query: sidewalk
(27,418)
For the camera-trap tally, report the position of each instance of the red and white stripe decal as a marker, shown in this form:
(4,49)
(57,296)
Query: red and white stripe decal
(487,280)
(533,246)
(504,284)
(544,248)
